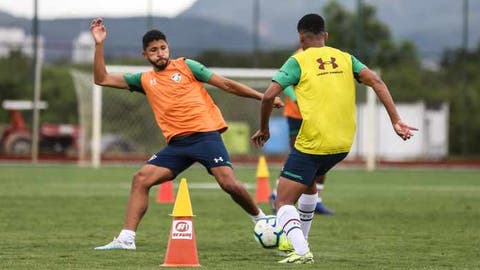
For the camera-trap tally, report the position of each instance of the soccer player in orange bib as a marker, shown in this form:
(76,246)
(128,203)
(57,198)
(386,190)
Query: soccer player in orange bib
(189,119)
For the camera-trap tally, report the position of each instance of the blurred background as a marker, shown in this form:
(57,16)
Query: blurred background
(428,53)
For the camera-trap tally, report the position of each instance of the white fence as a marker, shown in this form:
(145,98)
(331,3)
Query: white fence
(431,141)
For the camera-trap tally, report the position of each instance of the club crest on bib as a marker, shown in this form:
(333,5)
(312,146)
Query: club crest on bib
(176,77)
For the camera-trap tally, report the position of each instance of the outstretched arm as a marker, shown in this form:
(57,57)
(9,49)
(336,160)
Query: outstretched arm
(100,74)
(263,134)
(239,89)
(371,79)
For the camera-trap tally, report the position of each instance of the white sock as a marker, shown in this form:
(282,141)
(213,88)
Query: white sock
(320,187)
(306,209)
(288,218)
(260,215)
(127,236)
(274,192)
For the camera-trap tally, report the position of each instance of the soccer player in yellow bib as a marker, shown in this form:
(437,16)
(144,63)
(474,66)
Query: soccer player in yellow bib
(294,121)
(323,80)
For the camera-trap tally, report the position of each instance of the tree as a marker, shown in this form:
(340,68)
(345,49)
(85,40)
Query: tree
(459,69)
(59,92)
(57,89)
(15,79)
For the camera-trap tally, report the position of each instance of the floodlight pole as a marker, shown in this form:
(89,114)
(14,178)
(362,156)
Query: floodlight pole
(149,15)
(465,127)
(360,30)
(37,63)
(255,31)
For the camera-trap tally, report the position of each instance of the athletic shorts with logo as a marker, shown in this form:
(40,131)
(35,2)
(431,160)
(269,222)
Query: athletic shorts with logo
(206,148)
(304,168)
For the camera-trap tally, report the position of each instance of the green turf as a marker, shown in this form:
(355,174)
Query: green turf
(52,217)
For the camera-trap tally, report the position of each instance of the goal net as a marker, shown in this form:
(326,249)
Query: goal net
(128,131)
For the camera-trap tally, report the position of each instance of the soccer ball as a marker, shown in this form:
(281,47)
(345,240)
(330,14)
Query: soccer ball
(266,232)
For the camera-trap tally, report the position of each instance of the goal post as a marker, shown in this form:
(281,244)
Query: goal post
(371,123)
(83,84)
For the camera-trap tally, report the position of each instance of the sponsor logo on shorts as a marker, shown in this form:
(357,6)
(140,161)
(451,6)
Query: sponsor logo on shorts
(152,157)
(217,160)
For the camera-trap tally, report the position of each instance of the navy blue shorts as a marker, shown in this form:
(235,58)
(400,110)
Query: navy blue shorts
(294,125)
(204,147)
(303,168)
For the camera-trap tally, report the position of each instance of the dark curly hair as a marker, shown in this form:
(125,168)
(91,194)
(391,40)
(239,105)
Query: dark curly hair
(152,35)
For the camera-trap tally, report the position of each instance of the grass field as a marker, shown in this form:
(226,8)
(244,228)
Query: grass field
(52,217)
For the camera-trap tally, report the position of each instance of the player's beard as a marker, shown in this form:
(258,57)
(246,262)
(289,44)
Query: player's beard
(159,66)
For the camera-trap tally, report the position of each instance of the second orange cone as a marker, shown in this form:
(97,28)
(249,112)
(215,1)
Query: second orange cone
(263,181)
(165,192)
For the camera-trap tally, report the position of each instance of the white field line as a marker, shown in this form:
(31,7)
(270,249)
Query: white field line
(201,185)
(206,185)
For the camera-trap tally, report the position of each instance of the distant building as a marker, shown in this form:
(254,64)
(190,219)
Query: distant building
(15,39)
(83,48)
(431,142)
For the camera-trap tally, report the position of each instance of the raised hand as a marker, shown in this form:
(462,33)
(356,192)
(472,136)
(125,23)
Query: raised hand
(98,30)
(403,130)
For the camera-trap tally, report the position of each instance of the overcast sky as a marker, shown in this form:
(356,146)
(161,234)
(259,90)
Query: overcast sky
(50,9)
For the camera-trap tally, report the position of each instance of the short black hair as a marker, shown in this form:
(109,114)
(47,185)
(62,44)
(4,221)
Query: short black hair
(312,23)
(152,35)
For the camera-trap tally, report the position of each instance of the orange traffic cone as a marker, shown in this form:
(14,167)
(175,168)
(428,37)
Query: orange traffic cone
(182,247)
(263,181)
(165,192)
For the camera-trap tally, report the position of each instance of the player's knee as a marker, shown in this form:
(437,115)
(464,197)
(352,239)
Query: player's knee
(140,180)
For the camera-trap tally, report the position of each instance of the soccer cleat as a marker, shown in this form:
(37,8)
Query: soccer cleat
(285,247)
(117,244)
(323,210)
(294,258)
(271,199)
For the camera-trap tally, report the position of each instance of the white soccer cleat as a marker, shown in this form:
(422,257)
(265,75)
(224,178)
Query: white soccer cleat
(117,244)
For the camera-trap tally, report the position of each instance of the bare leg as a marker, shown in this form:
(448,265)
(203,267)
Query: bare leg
(228,182)
(144,179)
(289,191)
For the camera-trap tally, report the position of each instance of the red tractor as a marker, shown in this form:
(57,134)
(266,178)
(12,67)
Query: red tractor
(16,138)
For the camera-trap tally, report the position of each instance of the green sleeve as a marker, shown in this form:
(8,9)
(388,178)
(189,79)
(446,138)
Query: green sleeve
(290,93)
(134,81)
(200,72)
(357,65)
(289,73)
